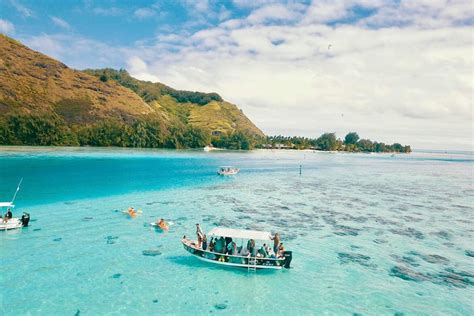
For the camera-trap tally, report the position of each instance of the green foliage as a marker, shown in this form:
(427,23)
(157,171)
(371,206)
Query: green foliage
(188,137)
(351,138)
(192,96)
(237,141)
(150,91)
(327,141)
(36,130)
(365,145)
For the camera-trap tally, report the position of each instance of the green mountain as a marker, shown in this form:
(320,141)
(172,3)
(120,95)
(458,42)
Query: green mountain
(43,102)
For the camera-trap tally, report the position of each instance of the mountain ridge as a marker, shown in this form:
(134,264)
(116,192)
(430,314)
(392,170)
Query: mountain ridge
(36,89)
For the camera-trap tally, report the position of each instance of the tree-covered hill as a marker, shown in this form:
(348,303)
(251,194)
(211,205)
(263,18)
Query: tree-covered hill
(44,102)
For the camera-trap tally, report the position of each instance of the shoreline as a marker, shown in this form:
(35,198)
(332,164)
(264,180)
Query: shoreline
(6,148)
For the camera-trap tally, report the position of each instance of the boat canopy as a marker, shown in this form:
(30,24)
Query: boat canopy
(6,204)
(239,233)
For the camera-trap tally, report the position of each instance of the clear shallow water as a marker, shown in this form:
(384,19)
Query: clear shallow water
(371,234)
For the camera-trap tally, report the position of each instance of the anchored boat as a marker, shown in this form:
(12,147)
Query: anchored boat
(8,222)
(242,256)
(227,171)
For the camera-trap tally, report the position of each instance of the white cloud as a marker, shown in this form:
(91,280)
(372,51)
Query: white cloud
(110,11)
(77,52)
(144,13)
(402,73)
(139,69)
(407,83)
(60,22)
(6,27)
(275,12)
(201,6)
(23,10)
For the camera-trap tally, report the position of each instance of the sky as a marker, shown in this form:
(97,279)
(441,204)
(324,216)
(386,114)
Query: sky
(394,71)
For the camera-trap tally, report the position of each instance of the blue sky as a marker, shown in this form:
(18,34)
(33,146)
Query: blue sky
(392,70)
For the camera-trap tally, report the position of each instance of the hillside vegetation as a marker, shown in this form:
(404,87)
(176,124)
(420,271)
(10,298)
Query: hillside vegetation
(44,102)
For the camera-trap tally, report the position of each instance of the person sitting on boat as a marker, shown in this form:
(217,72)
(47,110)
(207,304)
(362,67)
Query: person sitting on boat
(204,242)
(263,251)
(211,245)
(276,242)
(281,251)
(244,252)
(232,248)
(220,245)
(267,248)
(228,240)
(8,216)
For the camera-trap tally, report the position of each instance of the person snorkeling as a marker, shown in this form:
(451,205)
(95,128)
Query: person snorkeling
(132,212)
(162,224)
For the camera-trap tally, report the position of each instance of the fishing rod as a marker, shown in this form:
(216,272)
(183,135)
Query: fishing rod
(16,192)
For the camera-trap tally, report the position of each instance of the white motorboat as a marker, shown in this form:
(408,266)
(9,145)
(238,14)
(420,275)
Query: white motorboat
(228,171)
(8,222)
(252,260)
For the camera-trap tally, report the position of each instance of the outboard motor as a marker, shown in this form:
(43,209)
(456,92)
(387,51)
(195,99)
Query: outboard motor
(25,219)
(288,256)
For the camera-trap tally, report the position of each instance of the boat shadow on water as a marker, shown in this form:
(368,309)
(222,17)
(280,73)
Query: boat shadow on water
(198,264)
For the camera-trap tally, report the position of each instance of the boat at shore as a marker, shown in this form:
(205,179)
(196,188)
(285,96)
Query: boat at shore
(257,261)
(228,171)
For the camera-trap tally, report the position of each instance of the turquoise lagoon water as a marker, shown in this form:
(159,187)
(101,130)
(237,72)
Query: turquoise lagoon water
(370,234)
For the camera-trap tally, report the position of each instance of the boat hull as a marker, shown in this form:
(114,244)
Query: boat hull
(13,223)
(231,261)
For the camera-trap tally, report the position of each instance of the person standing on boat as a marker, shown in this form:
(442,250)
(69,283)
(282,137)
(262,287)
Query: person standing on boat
(276,242)
(252,249)
(199,234)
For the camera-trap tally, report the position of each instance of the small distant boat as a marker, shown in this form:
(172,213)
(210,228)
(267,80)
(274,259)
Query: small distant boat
(228,171)
(208,148)
(243,261)
(6,222)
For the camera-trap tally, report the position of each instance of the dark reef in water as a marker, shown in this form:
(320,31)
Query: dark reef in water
(353,257)
(220,306)
(469,253)
(442,234)
(342,230)
(110,239)
(430,258)
(447,277)
(406,260)
(409,232)
(151,252)
(407,274)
